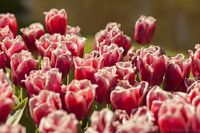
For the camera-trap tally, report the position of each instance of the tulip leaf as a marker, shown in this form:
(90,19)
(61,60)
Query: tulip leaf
(16,113)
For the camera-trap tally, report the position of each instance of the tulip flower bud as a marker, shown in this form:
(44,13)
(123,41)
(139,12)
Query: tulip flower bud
(58,121)
(31,33)
(144,29)
(21,64)
(56,21)
(9,20)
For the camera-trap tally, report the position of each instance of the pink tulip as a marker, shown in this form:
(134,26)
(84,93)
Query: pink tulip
(21,65)
(43,104)
(6,97)
(127,97)
(112,34)
(125,71)
(9,20)
(176,116)
(144,29)
(177,69)
(11,46)
(5,32)
(58,121)
(12,129)
(79,97)
(56,21)
(31,33)
(195,61)
(45,79)
(101,122)
(155,98)
(110,54)
(105,78)
(73,30)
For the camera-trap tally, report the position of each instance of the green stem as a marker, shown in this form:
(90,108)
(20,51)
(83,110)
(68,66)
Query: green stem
(71,75)
(24,93)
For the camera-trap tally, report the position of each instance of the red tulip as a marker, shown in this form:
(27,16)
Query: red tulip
(141,121)
(177,70)
(56,21)
(6,97)
(9,20)
(110,54)
(43,104)
(144,29)
(5,32)
(195,61)
(149,66)
(12,129)
(155,98)
(21,64)
(58,121)
(60,57)
(112,34)
(176,116)
(31,33)
(73,30)
(12,46)
(105,78)
(45,79)
(125,71)
(79,97)
(74,43)
(194,93)
(127,97)
(86,68)
(101,122)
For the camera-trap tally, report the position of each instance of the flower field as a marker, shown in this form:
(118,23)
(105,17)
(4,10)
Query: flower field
(58,81)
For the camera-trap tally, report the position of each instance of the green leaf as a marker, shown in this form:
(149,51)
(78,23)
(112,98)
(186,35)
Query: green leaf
(16,113)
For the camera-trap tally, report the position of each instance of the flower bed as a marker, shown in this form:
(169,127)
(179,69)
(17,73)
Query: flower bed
(48,85)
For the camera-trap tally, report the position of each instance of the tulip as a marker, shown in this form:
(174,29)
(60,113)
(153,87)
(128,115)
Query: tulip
(9,20)
(155,98)
(5,32)
(43,104)
(141,120)
(74,43)
(12,129)
(112,34)
(176,116)
(144,29)
(105,78)
(31,33)
(149,66)
(195,61)
(21,64)
(125,71)
(6,97)
(177,69)
(12,46)
(60,57)
(56,21)
(58,121)
(110,54)
(45,79)
(127,97)
(101,121)
(79,97)
(73,30)
(86,68)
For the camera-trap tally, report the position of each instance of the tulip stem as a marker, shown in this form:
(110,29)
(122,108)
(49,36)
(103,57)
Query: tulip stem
(71,75)
(24,93)
(138,77)
(84,123)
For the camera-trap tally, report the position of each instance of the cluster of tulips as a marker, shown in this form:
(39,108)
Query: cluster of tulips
(113,89)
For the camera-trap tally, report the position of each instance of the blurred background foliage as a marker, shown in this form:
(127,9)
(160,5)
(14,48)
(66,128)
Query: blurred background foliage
(178,21)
